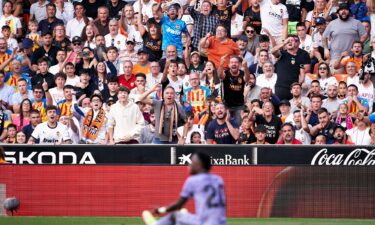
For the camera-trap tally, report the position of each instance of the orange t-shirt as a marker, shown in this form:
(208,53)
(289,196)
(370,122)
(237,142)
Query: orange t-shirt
(348,59)
(137,68)
(218,49)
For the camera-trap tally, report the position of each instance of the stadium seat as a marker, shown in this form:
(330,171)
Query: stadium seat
(312,76)
(341,77)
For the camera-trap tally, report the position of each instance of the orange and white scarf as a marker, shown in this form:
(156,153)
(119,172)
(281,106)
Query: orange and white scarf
(91,126)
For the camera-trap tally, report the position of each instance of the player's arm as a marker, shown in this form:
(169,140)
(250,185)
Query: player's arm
(175,206)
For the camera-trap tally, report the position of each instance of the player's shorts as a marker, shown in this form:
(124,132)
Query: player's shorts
(186,218)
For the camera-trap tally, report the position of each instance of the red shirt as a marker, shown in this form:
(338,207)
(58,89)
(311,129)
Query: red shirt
(294,142)
(346,143)
(127,83)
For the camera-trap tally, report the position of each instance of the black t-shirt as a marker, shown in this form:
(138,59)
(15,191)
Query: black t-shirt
(106,95)
(114,10)
(163,61)
(254,19)
(39,79)
(308,5)
(92,8)
(153,47)
(246,138)
(255,69)
(41,52)
(328,132)
(234,89)
(220,133)
(64,44)
(288,67)
(224,17)
(273,127)
(294,9)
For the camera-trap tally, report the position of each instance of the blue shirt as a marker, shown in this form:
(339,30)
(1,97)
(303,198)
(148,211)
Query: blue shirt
(220,133)
(172,33)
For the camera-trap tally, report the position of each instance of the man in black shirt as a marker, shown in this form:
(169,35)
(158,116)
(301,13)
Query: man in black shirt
(47,50)
(324,127)
(114,7)
(252,16)
(92,6)
(291,66)
(234,81)
(48,24)
(43,75)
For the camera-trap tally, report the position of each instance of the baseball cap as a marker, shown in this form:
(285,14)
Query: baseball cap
(338,126)
(243,38)
(284,102)
(319,21)
(77,39)
(343,6)
(27,43)
(142,50)
(194,52)
(130,39)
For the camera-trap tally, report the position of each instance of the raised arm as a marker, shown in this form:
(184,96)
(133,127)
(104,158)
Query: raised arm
(220,70)
(141,27)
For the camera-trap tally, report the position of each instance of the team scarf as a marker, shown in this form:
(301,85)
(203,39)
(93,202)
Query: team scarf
(91,126)
(348,121)
(173,120)
(2,120)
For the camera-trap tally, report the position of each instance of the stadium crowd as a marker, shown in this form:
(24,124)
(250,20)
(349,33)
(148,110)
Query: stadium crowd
(187,72)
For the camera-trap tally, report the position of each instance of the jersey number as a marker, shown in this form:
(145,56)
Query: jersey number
(212,200)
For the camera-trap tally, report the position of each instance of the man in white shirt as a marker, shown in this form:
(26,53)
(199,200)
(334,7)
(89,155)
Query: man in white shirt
(114,38)
(38,10)
(75,26)
(146,7)
(268,78)
(125,120)
(351,70)
(6,92)
(305,39)
(51,131)
(274,16)
(154,77)
(366,91)
(64,10)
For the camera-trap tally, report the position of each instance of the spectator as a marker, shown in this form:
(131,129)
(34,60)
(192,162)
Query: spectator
(246,135)
(127,79)
(320,11)
(223,129)
(366,45)
(22,93)
(43,75)
(89,33)
(257,67)
(196,138)
(71,77)
(268,78)
(332,102)
(64,10)
(92,7)
(343,117)
(324,126)
(114,7)
(291,67)
(196,95)
(298,101)
(140,83)
(21,138)
(173,28)
(305,40)
(219,46)
(125,120)
(48,24)
(260,135)
(360,134)
(274,16)
(340,136)
(143,65)
(11,134)
(152,39)
(252,90)
(234,81)
(171,54)
(170,78)
(302,129)
(267,118)
(23,118)
(64,106)
(366,91)
(5,58)
(288,135)
(252,39)
(102,21)
(84,86)
(13,22)
(51,131)
(204,21)
(154,76)
(46,50)
(11,42)
(148,132)
(6,91)
(242,46)
(224,13)
(355,55)
(169,115)
(320,140)
(114,38)
(38,10)
(60,40)
(111,91)
(325,78)
(342,32)
(285,115)
(252,16)
(355,103)
(12,77)
(317,37)
(75,26)
(184,132)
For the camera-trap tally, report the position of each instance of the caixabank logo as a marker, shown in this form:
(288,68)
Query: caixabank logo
(225,159)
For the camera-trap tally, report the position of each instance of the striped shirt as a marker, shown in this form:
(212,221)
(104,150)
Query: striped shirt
(197,98)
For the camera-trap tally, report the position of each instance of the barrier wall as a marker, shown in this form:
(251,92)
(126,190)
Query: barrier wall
(252,191)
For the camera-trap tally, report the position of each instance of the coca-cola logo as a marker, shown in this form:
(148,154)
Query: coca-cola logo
(357,157)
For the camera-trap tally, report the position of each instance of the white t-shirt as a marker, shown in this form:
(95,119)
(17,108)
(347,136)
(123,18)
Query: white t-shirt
(72,81)
(359,137)
(185,82)
(11,21)
(354,80)
(146,8)
(307,45)
(136,35)
(119,41)
(236,23)
(272,17)
(39,11)
(74,28)
(56,95)
(196,127)
(367,93)
(324,84)
(177,85)
(303,136)
(262,81)
(48,135)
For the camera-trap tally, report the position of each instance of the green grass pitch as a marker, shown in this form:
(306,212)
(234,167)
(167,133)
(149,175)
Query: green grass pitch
(138,221)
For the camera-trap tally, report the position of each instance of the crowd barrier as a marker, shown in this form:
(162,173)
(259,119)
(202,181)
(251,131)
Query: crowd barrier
(260,181)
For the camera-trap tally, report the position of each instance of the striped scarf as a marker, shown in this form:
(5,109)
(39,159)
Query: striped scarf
(173,120)
(348,121)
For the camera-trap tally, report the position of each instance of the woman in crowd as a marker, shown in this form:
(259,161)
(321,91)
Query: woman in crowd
(23,118)
(325,78)
(20,137)
(210,79)
(88,36)
(343,118)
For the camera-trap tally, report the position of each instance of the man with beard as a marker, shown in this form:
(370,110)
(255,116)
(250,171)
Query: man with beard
(148,132)
(51,21)
(169,115)
(224,129)
(234,81)
(252,16)
(94,121)
(274,16)
(102,21)
(266,117)
(366,91)
(291,66)
(51,131)
(324,127)
(114,38)
(298,101)
(342,32)
(173,28)
(332,103)
(47,50)
(287,135)
(340,136)
(302,129)
(252,90)
(171,54)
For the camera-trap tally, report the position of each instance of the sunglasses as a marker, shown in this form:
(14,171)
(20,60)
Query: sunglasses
(323,68)
(250,31)
(130,43)
(76,44)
